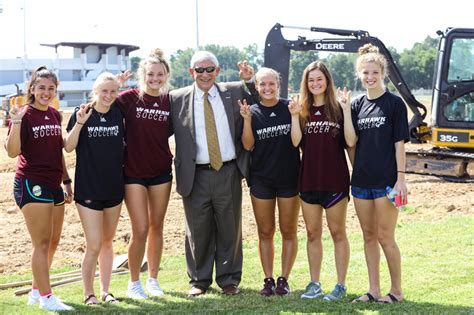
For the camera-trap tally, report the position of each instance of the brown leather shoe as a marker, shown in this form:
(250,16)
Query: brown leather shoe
(196,291)
(230,289)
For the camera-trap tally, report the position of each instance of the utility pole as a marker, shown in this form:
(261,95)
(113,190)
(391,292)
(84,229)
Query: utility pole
(197,25)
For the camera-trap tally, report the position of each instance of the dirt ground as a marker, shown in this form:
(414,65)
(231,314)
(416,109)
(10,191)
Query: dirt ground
(429,199)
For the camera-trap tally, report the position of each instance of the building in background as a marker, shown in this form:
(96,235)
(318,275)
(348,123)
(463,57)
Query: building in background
(76,74)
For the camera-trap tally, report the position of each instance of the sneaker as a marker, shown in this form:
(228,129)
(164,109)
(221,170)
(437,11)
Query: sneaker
(282,287)
(268,287)
(135,291)
(153,287)
(312,291)
(52,303)
(33,297)
(337,294)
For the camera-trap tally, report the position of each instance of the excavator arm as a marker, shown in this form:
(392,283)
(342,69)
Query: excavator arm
(278,50)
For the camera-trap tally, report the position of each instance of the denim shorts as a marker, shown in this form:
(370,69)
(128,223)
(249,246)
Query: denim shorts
(368,193)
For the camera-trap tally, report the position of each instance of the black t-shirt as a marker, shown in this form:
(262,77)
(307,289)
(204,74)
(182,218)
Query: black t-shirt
(99,156)
(274,159)
(379,124)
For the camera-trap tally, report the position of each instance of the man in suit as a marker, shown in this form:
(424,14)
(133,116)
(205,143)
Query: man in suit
(211,191)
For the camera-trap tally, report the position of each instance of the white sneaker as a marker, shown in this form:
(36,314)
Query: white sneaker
(135,291)
(153,287)
(51,303)
(33,297)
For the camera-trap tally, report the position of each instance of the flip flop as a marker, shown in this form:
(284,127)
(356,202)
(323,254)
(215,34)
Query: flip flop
(393,299)
(89,300)
(370,296)
(109,298)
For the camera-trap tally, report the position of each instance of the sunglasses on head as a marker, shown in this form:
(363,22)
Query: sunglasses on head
(207,69)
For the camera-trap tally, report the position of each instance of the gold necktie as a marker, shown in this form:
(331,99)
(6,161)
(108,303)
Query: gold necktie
(211,135)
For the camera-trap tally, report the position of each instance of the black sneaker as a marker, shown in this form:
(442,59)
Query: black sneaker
(282,287)
(268,287)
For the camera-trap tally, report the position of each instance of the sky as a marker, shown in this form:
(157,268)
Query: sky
(171,24)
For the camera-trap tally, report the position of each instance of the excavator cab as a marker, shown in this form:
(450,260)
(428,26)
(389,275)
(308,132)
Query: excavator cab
(452,120)
(451,129)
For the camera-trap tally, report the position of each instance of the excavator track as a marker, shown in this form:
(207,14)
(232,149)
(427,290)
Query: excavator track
(451,165)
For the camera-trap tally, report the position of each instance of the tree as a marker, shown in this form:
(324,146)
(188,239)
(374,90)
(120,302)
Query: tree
(342,69)
(298,62)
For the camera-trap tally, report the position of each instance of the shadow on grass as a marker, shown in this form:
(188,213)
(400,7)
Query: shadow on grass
(250,301)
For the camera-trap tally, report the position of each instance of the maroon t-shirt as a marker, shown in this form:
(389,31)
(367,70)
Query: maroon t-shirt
(147,128)
(41,154)
(324,166)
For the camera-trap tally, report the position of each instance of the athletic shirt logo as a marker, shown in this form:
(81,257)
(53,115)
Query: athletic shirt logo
(36,190)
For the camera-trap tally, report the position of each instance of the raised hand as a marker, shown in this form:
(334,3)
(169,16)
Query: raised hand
(344,98)
(246,71)
(245,110)
(17,113)
(124,76)
(84,112)
(295,106)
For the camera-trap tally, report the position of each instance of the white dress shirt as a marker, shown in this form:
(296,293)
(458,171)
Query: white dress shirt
(226,143)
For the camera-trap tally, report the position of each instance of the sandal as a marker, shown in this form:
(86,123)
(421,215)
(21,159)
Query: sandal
(393,299)
(108,298)
(361,298)
(91,300)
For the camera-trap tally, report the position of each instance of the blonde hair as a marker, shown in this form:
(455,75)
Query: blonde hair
(101,79)
(155,57)
(39,73)
(333,110)
(370,53)
(264,71)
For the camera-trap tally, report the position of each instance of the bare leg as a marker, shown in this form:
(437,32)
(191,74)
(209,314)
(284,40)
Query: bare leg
(136,199)
(336,218)
(368,222)
(288,209)
(312,215)
(264,210)
(106,256)
(158,197)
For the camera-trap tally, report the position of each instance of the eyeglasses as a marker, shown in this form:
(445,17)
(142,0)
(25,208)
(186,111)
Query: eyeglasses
(207,69)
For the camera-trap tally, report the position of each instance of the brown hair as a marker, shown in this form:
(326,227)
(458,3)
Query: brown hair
(155,57)
(39,73)
(370,53)
(333,110)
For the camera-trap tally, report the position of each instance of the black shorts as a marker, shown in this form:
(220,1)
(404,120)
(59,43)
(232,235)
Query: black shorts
(26,191)
(99,205)
(265,191)
(151,181)
(324,198)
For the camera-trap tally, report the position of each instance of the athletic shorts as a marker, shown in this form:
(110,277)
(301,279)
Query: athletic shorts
(26,191)
(324,198)
(368,193)
(99,205)
(265,191)
(151,181)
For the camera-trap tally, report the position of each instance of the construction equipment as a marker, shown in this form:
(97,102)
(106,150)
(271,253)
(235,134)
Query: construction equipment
(451,129)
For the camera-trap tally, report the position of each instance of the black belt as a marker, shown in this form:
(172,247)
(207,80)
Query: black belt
(209,167)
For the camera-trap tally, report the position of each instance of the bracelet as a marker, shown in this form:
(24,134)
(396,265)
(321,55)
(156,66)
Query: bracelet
(401,172)
(16,121)
(67,181)
(79,123)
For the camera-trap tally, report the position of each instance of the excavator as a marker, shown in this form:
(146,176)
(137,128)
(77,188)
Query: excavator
(451,128)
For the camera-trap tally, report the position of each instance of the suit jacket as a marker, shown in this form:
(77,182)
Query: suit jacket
(182,118)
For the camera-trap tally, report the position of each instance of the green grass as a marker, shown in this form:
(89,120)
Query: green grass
(438,278)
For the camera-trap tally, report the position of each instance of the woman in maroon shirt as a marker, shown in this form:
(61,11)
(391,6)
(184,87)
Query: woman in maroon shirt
(34,136)
(318,124)
(147,168)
